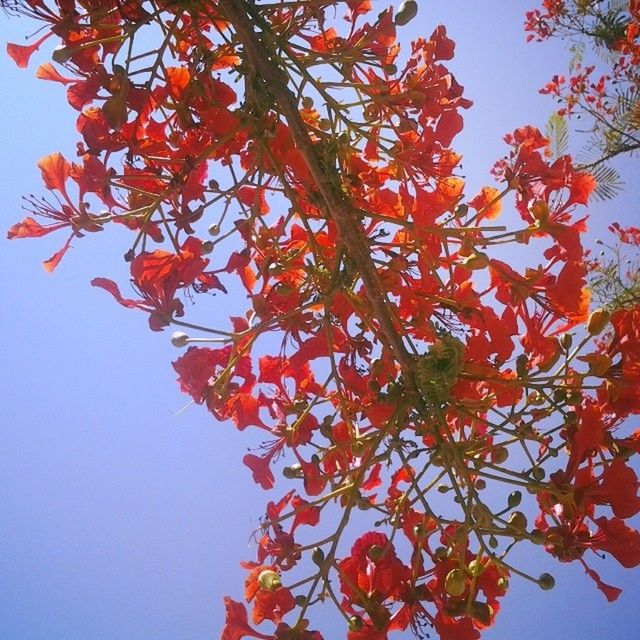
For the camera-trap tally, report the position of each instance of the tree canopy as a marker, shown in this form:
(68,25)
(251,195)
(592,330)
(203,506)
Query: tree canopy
(426,406)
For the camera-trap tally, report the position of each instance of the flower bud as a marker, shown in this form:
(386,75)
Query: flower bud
(62,54)
(482,612)
(499,455)
(477,260)
(455,584)
(597,321)
(538,473)
(375,552)
(355,623)
(476,567)
(294,471)
(518,521)
(407,12)
(317,555)
(269,580)
(566,340)
(179,339)
(546,581)
(514,499)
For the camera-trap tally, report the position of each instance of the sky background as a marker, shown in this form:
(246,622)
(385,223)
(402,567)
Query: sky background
(121,520)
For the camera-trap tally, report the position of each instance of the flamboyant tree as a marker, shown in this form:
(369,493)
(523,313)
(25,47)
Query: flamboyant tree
(436,406)
(602,91)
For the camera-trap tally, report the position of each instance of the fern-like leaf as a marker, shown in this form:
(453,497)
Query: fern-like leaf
(557,132)
(609,182)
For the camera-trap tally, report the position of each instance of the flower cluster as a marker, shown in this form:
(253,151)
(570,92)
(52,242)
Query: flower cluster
(411,383)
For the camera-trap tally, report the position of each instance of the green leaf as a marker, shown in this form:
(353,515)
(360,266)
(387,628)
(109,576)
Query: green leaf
(557,132)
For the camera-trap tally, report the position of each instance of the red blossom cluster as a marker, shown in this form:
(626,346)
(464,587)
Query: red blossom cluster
(388,351)
(609,98)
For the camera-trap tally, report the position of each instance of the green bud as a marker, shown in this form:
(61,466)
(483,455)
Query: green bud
(566,340)
(355,623)
(179,339)
(518,521)
(294,471)
(407,12)
(546,581)
(482,612)
(538,473)
(476,567)
(62,54)
(499,455)
(375,552)
(269,580)
(441,553)
(514,499)
(455,584)
(317,555)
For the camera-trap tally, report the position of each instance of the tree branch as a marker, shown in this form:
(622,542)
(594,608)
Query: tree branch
(260,55)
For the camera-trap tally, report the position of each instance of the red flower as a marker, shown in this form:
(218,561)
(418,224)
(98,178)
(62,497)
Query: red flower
(236,625)
(622,542)
(158,276)
(197,369)
(372,571)
(271,601)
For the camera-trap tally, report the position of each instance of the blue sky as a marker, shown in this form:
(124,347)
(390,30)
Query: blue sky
(121,520)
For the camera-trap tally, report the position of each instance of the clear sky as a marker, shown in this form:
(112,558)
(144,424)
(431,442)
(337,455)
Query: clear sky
(120,520)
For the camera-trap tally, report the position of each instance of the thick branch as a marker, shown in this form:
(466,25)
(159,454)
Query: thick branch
(264,60)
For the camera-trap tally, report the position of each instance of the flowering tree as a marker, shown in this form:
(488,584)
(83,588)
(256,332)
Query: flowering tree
(608,98)
(436,406)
